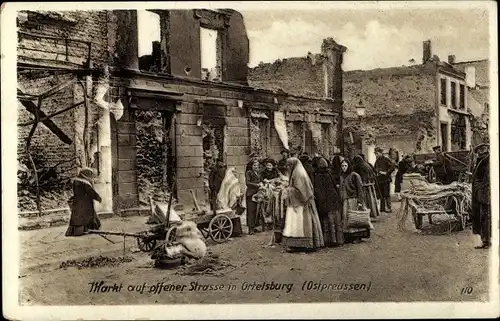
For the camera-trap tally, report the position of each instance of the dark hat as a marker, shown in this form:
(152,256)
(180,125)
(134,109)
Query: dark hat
(436,147)
(379,150)
(270,161)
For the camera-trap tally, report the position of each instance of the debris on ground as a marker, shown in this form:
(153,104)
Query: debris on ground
(95,262)
(211,265)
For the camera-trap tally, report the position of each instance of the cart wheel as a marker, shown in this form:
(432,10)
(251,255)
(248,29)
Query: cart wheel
(171,234)
(146,244)
(220,228)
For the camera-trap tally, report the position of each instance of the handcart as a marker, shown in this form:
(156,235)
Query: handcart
(217,226)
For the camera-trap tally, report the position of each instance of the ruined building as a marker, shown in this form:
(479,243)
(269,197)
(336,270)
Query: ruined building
(478,98)
(316,76)
(101,105)
(410,108)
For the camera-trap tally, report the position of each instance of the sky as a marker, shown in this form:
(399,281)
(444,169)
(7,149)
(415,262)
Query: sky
(374,38)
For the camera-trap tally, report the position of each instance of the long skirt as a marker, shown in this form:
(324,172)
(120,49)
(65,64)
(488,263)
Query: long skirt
(251,214)
(371,200)
(353,233)
(78,230)
(332,226)
(302,227)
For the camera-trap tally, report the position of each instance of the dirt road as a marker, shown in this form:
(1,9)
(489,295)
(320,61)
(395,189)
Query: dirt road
(390,266)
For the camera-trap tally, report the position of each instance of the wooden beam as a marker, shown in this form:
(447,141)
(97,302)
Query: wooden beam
(32,108)
(51,115)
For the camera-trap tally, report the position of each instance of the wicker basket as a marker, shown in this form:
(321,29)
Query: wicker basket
(358,218)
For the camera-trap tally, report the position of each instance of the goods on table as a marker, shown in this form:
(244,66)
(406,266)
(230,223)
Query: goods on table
(430,198)
(271,200)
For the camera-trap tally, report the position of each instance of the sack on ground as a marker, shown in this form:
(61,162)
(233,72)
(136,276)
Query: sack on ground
(359,219)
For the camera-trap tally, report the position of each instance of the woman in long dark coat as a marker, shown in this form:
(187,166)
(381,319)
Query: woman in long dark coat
(365,171)
(328,204)
(351,190)
(253,182)
(83,215)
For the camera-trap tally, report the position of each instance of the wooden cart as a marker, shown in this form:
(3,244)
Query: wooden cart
(217,226)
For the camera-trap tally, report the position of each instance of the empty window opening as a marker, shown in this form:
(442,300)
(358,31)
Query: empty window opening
(444,136)
(462,96)
(213,150)
(259,139)
(453,94)
(155,158)
(149,30)
(443,92)
(296,136)
(210,55)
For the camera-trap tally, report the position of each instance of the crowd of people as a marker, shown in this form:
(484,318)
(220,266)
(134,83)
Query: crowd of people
(311,200)
(320,196)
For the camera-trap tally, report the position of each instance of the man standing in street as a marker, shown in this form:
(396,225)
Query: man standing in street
(383,169)
(481,194)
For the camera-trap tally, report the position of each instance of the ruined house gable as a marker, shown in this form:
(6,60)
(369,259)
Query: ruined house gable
(482,70)
(390,91)
(82,28)
(299,75)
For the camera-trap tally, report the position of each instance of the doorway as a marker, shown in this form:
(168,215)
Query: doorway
(444,137)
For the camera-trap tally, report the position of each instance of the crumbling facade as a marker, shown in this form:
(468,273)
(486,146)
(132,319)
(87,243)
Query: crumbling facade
(200,119)
(409,108)
(319,77)
(478,98)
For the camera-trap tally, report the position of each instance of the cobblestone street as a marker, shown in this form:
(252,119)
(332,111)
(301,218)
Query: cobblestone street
(393,265)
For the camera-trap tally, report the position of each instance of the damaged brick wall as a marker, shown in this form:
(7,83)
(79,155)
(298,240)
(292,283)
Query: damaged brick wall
(84,25)
(302,76)
(408,133)
(81,25)
(400,106)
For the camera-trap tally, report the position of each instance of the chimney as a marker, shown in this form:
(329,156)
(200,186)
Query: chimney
(427,51)
(451,59)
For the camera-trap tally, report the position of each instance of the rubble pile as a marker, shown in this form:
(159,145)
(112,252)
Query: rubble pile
(211,264)
(95,262)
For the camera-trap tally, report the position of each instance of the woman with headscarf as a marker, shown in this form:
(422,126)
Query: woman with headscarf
(336,170)
(351,190)
(253,182)
(368,178)
(302,226)
(328,204)
(83,214)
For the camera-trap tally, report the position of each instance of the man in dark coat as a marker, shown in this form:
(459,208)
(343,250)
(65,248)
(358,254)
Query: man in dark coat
(215,179)
(481,196)
(442,167)
(383,169)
